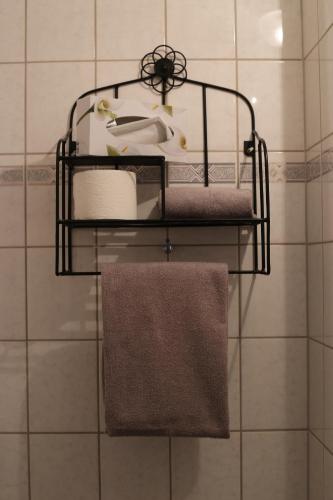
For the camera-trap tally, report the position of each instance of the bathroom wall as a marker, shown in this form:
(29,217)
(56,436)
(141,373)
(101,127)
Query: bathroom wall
(318,66)
(52,441)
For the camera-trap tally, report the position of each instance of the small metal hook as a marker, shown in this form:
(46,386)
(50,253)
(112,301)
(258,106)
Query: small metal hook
(168,247)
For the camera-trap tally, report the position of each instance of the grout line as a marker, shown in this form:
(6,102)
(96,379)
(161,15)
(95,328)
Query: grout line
(306,274)
(321,442)
(92,339)
(167,236)
(113,60)
(322,223)
(241,486)
(99,458)
(103,433)
(323,344)
(26,250)
(320,38)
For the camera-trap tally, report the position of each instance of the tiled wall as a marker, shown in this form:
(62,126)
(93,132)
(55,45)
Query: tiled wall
(52,443)
(318,65)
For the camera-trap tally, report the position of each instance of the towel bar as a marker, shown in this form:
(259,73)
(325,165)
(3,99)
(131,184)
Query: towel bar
(162,69)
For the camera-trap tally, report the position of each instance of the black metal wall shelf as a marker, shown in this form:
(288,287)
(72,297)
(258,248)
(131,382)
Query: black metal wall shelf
(163,69)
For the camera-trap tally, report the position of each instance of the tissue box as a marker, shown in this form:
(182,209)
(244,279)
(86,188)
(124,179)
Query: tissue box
(117,127)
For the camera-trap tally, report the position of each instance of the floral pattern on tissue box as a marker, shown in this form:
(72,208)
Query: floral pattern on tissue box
(116,127)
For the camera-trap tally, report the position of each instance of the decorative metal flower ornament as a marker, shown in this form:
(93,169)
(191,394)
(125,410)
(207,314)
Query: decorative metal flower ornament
(164,65)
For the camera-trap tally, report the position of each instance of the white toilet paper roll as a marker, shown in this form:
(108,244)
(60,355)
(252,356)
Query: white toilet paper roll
(104,194)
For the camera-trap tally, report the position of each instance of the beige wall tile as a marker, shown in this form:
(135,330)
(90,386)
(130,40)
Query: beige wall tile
(13,467)
(328,398)
(64,466)
(12,108)
(325,14)
(12,30)
(316,389)
(61,374)
(274,465)
(12,294)
(192,29)
(13,400)
(60,308)
(328,293)
(270,29)
(135,465)
(316,469)
(326,83)
(60,30)
(310,24)
(52,89)
(282,295)
(129,30)
(206,468)
(275,90)
(312,98)
(274,384)
(315,291)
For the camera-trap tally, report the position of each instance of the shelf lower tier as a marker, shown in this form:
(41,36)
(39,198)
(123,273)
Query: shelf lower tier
(112,223)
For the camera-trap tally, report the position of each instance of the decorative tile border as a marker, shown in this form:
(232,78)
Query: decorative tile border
(313,169)
(188,173)
(327,161)
(11,176)
(278,172)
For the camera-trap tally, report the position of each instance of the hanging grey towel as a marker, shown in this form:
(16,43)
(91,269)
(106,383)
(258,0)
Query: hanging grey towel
(165,349)
(214,202)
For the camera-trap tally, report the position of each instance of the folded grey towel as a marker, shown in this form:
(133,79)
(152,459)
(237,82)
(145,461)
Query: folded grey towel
(165,349)
(207,203)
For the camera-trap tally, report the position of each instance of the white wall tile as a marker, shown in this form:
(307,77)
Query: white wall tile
(274,384)
(60,30)
(270,29)
(12,30)
(325,14)
(328,398)
(13,400)
(316,389)
(13,467)
(63,386)
(234,383)
(129,30)
(282,295)
(312,98)
(206,468)
(328,475)
(275,90)
(316,469)
(287,204)
(52,89)
(315,291)
(310,24)
(221,131)
(12,108)
(274,465)
(11,221)
(12,294)
(136,466)
(64,466)
(326,83)
(60,307)
(314,212)
(328,293)
(202,29)
(327,187)
(110,72)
